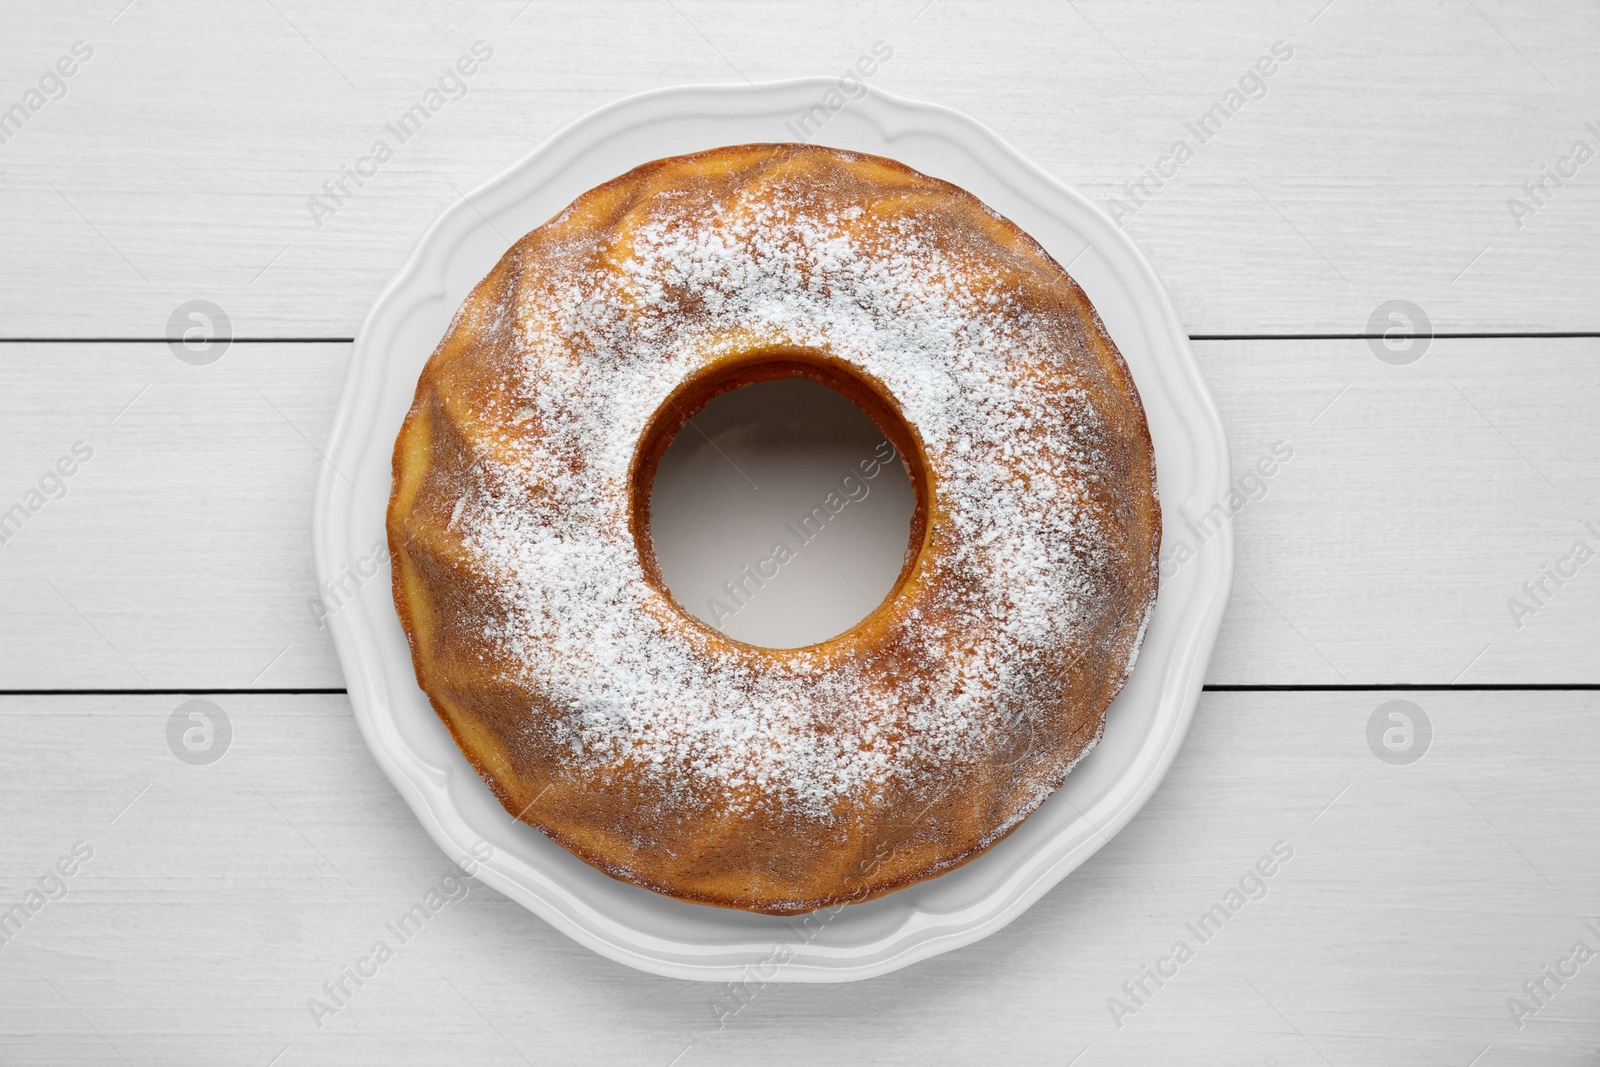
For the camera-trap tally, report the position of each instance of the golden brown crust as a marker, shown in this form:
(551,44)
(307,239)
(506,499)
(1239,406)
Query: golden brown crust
(739,849)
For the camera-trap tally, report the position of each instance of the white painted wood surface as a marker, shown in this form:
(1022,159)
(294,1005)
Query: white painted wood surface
(1417,501)
(1418,900)
(1378,165)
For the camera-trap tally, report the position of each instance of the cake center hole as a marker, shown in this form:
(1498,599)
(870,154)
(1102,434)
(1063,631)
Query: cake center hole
(781,514)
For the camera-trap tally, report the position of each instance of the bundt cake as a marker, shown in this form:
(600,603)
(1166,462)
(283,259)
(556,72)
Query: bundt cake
(641,739)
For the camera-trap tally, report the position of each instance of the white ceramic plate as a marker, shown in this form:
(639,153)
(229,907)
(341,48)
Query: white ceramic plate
(1144,727)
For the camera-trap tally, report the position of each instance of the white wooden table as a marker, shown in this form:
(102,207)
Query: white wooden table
(176,163)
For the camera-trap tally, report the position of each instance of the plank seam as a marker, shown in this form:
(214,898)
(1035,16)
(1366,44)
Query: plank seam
(1481,687)
(1483,336)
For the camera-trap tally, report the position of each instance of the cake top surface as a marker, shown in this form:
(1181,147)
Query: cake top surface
(963,325)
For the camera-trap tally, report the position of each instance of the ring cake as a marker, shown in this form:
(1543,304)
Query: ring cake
(648,743)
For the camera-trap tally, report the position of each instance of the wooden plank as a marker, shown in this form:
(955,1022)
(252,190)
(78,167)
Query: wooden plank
(1379,161)
(1418,901)
(181,552)
(1416,502)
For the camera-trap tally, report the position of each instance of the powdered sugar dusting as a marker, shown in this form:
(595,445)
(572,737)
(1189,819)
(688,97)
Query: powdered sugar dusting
(1011,590)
